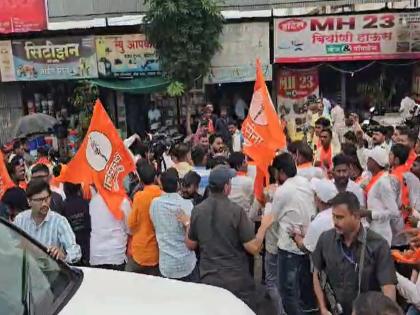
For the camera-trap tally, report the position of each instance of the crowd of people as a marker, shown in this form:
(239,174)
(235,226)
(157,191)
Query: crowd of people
(338,200)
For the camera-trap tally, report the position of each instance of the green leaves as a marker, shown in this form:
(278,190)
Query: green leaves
(175,89)
(186,35)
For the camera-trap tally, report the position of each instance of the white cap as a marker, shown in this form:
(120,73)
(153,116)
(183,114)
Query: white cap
(324,189)
(379,155)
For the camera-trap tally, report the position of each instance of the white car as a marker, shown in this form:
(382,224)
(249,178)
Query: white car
(32,283)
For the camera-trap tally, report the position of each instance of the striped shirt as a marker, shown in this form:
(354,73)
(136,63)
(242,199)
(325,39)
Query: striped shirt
(175,259)
(55,230)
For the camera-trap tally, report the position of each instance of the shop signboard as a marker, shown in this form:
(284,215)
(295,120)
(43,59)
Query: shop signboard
(242,44)
(18,16)
(126,56)
(295,86)
(344,38)
(7,68)
(58,58)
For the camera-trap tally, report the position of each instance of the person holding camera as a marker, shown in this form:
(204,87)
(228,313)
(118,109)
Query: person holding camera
(349,260)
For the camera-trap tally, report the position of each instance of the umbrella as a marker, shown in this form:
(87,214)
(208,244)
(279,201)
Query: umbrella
(33,124)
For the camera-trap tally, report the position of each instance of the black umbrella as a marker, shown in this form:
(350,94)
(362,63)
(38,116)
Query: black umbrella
(34,124)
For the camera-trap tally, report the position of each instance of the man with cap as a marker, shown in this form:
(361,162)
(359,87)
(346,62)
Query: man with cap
(224,234)
(324,190)
(381,198)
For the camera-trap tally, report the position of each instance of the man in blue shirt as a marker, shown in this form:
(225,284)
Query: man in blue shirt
(176,261)
(46,226)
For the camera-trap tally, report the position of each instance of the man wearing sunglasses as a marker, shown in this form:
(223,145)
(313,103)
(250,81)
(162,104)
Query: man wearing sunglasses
(46,226)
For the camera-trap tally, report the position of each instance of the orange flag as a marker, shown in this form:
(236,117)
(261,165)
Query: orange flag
(262,131)
(5,180)
(103,160)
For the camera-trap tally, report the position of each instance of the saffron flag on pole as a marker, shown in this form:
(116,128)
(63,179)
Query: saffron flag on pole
(262,132)
(5,180)
(102,160)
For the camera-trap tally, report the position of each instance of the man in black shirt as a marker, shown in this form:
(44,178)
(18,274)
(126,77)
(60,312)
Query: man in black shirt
(224,234)
(339,254)
(189,187)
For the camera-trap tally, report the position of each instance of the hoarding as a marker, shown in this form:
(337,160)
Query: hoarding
(17,16)
(344,38)
(58,58)
(126,56)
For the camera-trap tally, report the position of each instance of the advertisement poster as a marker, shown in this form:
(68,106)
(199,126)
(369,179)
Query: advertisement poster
(58,58)
(126,56)
(7,69)
(352,37)
(294,87)
(18,16)
(241,44)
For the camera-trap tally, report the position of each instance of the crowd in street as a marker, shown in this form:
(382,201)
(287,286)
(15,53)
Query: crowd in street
(337,201)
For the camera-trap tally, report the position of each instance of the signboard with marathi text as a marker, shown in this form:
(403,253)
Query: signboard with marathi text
(294,87)
(347,37)
(126,56)
(58,58)
(18,16)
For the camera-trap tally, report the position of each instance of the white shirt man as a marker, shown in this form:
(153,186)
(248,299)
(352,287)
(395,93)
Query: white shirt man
(337,116)
(242,191)
(309,171)
(358,191)
(323,221)
(381,197)
(294,205)
(237,141)
(108,238)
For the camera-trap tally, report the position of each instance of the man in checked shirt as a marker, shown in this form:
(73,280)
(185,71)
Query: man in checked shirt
(46,226)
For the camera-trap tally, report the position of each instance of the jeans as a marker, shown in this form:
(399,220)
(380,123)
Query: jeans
(413,311)
(271,282)
(133,266)
(289,267)
(194,276)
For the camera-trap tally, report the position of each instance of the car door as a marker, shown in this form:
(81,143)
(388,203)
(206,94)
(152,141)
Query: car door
(31,281)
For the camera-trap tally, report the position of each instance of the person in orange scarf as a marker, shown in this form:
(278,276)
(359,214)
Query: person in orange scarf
(381,196)
(303,155)
(397,160)
(325,152)
(408,138)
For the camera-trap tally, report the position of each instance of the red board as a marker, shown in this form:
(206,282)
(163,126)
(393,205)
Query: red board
(18,16)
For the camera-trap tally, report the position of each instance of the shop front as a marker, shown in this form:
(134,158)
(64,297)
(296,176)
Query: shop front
(62,76)
(359,61)
(232,72)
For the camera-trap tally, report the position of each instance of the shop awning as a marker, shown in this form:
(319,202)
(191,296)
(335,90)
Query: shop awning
(144,85)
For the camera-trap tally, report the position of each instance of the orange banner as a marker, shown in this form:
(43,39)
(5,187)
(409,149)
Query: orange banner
(5,180)
(262,130)
(102,160)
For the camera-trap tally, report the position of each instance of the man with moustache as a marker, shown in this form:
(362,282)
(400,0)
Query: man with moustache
(354,259)
(48,227)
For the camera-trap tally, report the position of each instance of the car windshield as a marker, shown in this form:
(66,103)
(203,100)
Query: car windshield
(31,281)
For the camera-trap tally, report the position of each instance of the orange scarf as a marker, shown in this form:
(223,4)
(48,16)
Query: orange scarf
(411,158)
(304,165)
(373,181)
(407,257)
(398,172)
(326,156)
(239,173)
